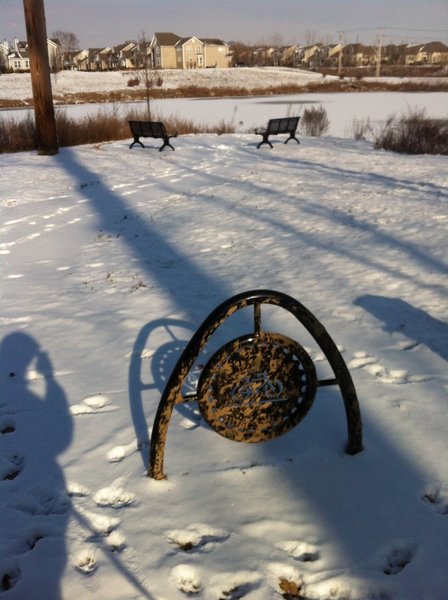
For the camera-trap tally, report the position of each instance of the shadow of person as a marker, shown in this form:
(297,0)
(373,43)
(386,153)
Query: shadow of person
(416,324)
(36,427)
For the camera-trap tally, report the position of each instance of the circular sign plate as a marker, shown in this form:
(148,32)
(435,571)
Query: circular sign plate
(257,387)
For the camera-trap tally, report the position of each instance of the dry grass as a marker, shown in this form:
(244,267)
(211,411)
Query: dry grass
(414,134)
(19,135)
(314,121)
(411,133)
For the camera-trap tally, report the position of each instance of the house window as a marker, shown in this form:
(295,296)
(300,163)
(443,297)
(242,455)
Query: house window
(27,64)
(198,50)
(189,49)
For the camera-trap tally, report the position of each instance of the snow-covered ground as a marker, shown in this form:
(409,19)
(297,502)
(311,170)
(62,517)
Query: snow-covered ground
(18,86)
(110,259)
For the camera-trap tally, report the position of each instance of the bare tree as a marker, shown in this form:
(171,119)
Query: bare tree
(147,74)
(310,38)
(276,40)
(68,40)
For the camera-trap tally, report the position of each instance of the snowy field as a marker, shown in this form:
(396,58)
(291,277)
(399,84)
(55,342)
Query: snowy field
(109,260)
(18,86)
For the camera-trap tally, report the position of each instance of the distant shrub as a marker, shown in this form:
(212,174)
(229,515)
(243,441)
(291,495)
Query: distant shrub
(362,129)
(133,81)
(314,121)
(16,135)
(414,134)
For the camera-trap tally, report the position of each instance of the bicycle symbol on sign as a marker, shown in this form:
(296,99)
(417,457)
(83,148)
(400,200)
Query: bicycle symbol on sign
(258,388)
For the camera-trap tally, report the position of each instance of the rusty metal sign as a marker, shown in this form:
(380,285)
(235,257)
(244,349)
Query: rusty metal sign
(258,386)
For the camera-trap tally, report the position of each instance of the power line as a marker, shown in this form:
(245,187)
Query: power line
(408,29)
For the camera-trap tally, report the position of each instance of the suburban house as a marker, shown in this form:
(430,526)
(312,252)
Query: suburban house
(54,54)
(432,53)
(73,59)
(358,55)
(18,58)
(170,51)
(122,56)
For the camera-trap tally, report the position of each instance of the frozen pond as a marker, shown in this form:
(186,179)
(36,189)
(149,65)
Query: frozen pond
(246,113)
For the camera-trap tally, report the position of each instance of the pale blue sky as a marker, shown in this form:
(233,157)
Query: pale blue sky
(109,22)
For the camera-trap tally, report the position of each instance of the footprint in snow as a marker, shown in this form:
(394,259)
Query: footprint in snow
(11,466)
(9,576)
(30,536)
(361,359)
(7,426)
(77,490)
(118,453)
(187,579)
(92,405)
(114,496)
(86,561)
(115,542)
(99,524)
(437,496)
(370,363)
(197,537)
(398,557)
(233,586)
(43,500)
(286,580)
(301,551)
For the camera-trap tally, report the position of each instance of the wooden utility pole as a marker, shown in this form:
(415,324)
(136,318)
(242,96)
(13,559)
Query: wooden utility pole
(341,49)
(36,30)
(378,53)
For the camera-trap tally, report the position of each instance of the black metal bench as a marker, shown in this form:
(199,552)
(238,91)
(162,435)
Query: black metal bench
(258,386)
(279,126)
(151,129)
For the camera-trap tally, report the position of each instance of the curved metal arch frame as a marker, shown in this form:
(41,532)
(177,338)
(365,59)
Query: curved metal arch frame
(172,392)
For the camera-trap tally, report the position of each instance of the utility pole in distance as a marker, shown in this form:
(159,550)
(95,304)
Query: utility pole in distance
(378,53)
(36,31)
(341,49)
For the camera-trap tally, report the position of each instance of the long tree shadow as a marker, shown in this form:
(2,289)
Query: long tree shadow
(329,215)
(415,323)
(362,177)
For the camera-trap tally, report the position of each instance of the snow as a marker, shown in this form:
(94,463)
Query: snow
(18,85)
(245,114)
(110,259)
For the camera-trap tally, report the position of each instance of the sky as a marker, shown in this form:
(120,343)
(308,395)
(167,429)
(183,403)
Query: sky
(103,23)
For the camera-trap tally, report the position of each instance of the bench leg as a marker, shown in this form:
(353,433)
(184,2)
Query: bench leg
(166,142)
(136,141)
(292,137)
(265,140)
